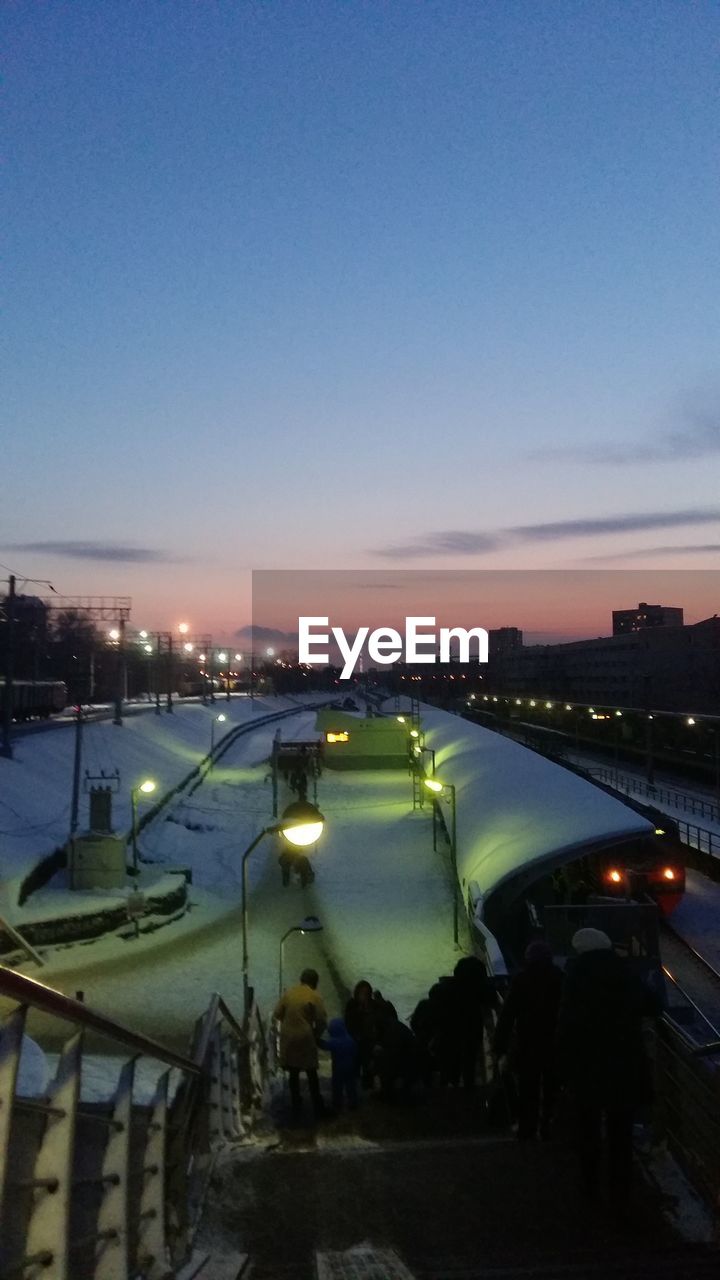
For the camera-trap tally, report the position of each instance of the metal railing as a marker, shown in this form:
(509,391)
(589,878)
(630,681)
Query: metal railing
(665,795)
(112,1189)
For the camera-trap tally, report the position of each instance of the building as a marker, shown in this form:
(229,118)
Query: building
(645,616)
(504,640)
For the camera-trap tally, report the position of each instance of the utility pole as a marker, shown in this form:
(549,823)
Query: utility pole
(75,805)
(121,686)
(6,749)
(169,705)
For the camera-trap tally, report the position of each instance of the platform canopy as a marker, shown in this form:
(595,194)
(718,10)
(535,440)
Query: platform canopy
(518,814)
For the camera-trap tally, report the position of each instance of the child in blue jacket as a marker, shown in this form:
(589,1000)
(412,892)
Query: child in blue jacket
(344,1053)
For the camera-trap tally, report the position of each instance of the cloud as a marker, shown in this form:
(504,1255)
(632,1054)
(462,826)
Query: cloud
(449,542)
(696,549)
(265,635)
(98,551)
(588,528)
(468,543)
(698,438)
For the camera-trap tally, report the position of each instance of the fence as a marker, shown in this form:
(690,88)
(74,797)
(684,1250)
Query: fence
(687,1109)
(112,1190)
(664,795)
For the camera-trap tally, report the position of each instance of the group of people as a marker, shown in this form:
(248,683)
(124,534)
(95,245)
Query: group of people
(580,1031)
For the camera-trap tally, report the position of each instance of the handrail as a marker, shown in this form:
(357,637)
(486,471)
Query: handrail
(17,986)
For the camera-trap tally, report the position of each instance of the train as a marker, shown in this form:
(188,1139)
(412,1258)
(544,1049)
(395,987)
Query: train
(35,699)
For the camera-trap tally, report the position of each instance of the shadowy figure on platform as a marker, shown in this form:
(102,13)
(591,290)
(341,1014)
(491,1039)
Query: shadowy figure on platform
(361,1021)
(603,1060)
(292,863)
(302,1016)
(525,1032)
(396,1056)
(344,1054)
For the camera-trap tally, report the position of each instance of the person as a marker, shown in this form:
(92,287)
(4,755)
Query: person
(303,1018)
(291,862)
(602,1057)
(474,998)
(344,1054)
(528,1022)
(396,1057)
(361,1021)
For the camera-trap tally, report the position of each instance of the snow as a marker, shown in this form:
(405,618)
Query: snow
(515,809)
(35,787)
(697,917)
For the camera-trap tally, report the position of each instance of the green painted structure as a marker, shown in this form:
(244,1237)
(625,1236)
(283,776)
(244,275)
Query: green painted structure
(378,742)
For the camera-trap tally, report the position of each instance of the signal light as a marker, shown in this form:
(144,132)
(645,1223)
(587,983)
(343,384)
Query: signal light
(659,831)
(668,873)
(614,876)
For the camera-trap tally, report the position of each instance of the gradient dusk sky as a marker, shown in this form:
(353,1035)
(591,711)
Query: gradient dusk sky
(312,284)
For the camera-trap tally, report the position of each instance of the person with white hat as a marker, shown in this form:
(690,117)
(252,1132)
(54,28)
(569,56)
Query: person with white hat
(602,1058)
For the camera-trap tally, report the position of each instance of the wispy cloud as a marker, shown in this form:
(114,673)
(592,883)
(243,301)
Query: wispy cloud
(698,437)
(115,551)
(467,543)
(695,549)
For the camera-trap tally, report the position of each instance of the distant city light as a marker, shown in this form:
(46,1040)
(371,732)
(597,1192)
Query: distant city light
(114,634)
(147,648)
(143,635)
(183,628)
(188,647)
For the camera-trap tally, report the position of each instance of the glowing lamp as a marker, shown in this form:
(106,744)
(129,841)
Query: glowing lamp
(301,824)
(668,873)
(659,831)
(340,735)
(615,877)
(147,786)
(432,784)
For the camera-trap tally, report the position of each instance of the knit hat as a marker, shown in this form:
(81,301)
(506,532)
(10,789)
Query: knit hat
(591,940)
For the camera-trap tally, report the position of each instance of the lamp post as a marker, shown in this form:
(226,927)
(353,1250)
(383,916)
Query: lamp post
(310,924)
(301,825)
(146,787)
(446,790)
(215,720)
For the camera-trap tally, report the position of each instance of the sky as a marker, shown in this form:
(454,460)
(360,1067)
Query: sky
(355,286)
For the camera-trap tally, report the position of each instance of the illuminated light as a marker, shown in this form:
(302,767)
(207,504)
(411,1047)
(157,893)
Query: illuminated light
(485,698)
(659,831)
(301,824)
(221,718)
(238,657)
(432,784)
(417,751)
(147,786)
(270,653)
(472,695)
(222,657)
(147,648)
(414,733)
(651,717)
(548,706)
(183,628)
(618,713)
(400,719)
(532,702)
(114,634)
(568,707)
(518,702)
(188,647)
(591,711)
(690,720)
(614,876)
(668,873)
(494,699)
(143,635)
(201,657)
(341,735)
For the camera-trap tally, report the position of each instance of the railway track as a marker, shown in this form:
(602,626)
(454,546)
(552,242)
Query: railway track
(695,980)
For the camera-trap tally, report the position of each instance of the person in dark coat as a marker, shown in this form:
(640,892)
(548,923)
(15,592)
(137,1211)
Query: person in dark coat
(361,1021)
(602,1057)
(525,1032)
(343,1051)
(396,1055)
(474,999)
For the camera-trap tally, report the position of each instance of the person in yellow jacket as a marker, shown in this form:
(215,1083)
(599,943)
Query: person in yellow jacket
(302,1016)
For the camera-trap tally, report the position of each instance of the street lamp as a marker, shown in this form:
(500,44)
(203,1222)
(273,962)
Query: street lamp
(215,720)
(310,924)
(442,791)
(301,825)
(146,787)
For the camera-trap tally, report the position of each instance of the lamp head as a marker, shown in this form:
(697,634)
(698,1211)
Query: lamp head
(432,784)
(310,924)
(221,718)
(147,786)
(301,824)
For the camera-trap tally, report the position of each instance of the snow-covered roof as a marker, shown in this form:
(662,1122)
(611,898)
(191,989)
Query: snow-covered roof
(517,811)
